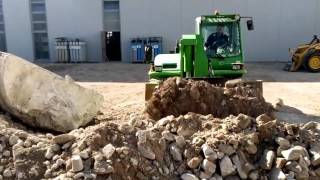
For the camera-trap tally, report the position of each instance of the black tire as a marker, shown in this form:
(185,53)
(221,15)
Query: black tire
(311,54)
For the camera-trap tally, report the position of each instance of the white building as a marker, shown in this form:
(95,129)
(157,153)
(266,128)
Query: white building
(28,28)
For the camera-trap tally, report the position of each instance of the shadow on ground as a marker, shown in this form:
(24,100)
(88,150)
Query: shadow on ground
(294,115)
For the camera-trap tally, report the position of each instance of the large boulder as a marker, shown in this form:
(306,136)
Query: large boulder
(43,99)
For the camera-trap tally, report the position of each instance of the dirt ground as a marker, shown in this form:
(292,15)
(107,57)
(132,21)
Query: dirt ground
(122,85)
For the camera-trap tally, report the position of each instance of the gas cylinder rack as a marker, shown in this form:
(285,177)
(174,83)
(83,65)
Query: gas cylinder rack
(70,51)
(139,45)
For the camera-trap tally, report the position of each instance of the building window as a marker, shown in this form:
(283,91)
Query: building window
(3,46)
(111,15)
(39,29)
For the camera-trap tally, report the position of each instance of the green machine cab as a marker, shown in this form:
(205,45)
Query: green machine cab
(215,51)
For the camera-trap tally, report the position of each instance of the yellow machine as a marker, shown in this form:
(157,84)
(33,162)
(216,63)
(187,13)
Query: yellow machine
(307,56)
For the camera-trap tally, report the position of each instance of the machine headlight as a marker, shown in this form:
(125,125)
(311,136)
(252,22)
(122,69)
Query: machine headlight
(158,68)
(237,17)
(236,66)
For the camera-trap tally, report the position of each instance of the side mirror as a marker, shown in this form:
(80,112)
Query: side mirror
(250,25)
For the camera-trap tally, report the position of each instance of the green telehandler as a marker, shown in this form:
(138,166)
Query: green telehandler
(214,53)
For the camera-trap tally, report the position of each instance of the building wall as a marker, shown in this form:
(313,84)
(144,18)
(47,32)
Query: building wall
(17,20)
(81,19)
(278,24)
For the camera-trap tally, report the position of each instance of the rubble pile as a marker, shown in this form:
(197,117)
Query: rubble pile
(179,96)
(188,147)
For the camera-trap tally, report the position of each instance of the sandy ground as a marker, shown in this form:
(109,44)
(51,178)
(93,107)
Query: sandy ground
(300,91)
(122,85)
